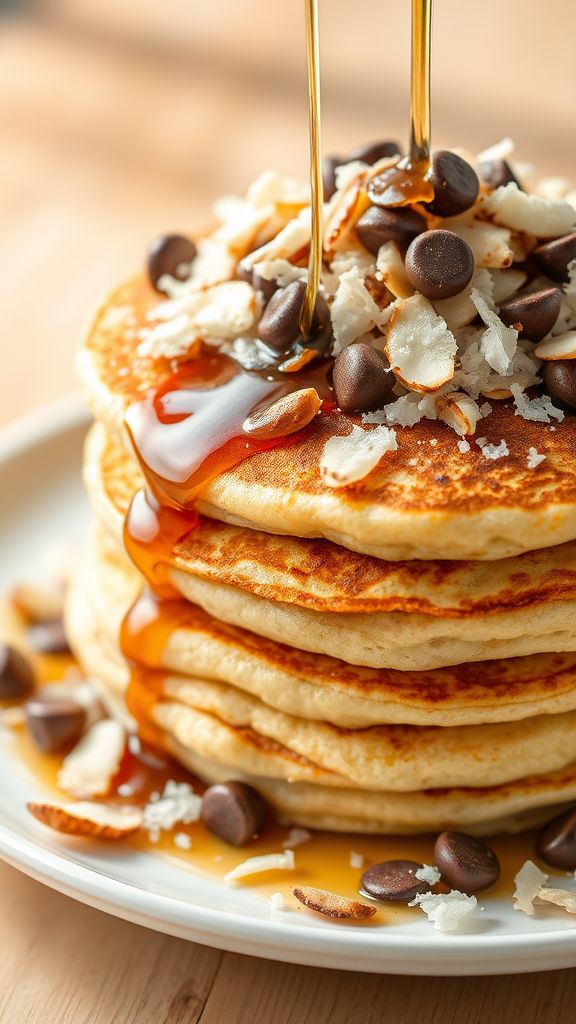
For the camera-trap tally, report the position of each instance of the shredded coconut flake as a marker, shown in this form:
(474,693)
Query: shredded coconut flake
(539,410)
(277,903)
(463,446)
(498,344)
(492,452)
(428,873)
(352,457)
(528,881)
(296,837)
(559,897)
(545,218)
(353,311)
(447,911)
(267,862)
(182,840)
(178,804)
(356,859)
(534,458)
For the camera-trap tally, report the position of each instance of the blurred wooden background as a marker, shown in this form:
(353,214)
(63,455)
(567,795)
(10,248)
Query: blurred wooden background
(123,118)
(120,120)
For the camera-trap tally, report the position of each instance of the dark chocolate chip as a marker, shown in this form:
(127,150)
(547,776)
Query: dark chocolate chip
(455,184)
(465,863)
(233,811)
(54,723)
(361,378)
(169,254)
(261,284)
(439,264)
(552,258)
(393,880)
(329,165)
(279,326)
(556,844)
(537,312)
(371,152)
(379,225)
(16,674)
(560,380)
(49,637)
(496,173)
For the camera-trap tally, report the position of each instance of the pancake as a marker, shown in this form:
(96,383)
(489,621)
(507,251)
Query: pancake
(426,500)
(283,589)
(315,686)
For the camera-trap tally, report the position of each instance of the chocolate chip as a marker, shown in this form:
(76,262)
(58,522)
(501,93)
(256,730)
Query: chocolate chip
(329,165)
(16,674)
(371,152)
(233,811)
(379,225)
(455,184)
(54,723)
(261,284)
(496,173)
(556,844)
(439,264)
(465,863)
(552,258)
(49,637)
(537,312)
(279,327)
(170,254)
(560,380)
(361,378)
(393,880)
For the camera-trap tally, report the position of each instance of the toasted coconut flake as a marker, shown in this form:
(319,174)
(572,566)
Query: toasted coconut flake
(499,342)
(296,837)
(280,270)
(459,310)
(92,820)
(344,209)
(506,283)
(447,911)
(534,458)
(285,416)
(330,904)
(563,346)
(559,897)
(458,411)
(353,311)
(89,768)
(352,457)
(391,270)
(499,151)
(293,237)
(528,881)
(539,410)
(491,245)
(420,348)
(267,862)
(545,218)
(178,804)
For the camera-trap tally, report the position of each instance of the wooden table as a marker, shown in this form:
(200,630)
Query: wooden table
(118,121)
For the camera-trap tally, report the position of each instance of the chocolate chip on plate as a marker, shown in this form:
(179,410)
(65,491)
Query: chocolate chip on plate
(371,152)
(393,880)
(560,380)
(233,811)
(16,674)
(439,264)
(49,637)
(552,258)
(329,165)
(172,255)
(496,173)
(361,378)
(54,722)
(379,225)
(465,862)
(455,184)
(537,312)
(556,843)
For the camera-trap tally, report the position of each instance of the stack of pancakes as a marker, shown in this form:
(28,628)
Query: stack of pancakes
(394,656)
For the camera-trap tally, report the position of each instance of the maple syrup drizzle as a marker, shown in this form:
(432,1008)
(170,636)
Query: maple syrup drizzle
(316,187)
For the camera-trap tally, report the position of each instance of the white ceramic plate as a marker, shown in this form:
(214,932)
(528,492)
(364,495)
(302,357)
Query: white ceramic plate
(42,503)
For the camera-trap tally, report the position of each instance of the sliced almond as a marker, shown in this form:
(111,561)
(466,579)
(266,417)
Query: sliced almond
(89,768)
(545,218)
(563,346)
(330,904)
(458,411)
(498,394)
(299,361)
(420,348)
(346,206)
(286,416)
(506,283)
(92,820)
(559,897)
(391,270)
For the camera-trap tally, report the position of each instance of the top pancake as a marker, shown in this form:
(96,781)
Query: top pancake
(427,500)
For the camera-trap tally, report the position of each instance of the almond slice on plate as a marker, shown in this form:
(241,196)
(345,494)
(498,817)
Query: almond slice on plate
(285,416)
(89,768)
(564,898)
(92,820)
(458,411)
(420,348)
(330,904)
(563,346)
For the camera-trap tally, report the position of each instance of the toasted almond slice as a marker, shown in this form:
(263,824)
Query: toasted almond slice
(293,237)
(299,361)
(420,348)
(498,394)
(506,283)
(563,346)
(39,600)
(84,818)
(330,904)
(459,411)
(89,768)
(391,270)
(347,205)
(560,897)
(545,218)
(286,416)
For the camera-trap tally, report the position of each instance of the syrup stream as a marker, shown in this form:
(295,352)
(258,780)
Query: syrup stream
(420,84)
(317,197)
